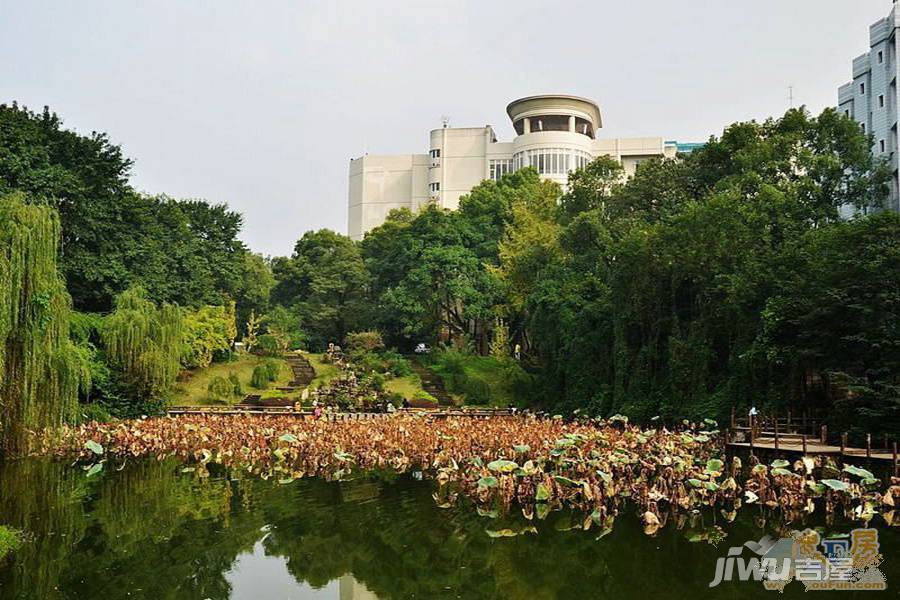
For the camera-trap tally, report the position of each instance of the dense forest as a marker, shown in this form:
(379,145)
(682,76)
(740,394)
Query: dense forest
(724,277)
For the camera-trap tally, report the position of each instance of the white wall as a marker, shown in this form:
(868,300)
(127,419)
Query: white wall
(379,184)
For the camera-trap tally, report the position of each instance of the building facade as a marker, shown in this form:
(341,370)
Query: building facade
(555,134)
(871,98)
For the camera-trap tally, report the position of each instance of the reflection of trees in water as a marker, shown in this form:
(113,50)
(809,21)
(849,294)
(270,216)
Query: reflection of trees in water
(139,529)
(172,535)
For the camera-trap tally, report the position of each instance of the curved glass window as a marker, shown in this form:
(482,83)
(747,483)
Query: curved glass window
(551,161)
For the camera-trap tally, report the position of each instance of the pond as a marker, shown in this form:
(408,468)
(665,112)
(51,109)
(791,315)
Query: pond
(157,530)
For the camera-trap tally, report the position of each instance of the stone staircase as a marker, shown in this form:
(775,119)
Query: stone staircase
(302,374)
(432,383)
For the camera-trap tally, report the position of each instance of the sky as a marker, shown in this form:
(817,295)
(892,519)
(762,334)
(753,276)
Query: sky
(262,104)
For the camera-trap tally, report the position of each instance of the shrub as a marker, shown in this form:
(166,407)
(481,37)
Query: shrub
(209,332)
(273,369)
(236,388)
(452,361)
(377,382)
(396,363)
(395,399)
(476,390)
(273,344)
(93,411)
(260,377)
(220,389)
(422,399)
(364,341)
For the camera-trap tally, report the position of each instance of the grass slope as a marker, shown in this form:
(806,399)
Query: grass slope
(191,387)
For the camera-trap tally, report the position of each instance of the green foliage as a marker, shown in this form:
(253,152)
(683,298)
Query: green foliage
(142,341)
(260,378)
(273,344)
(500,340)
(207,331)
(284,324)
(476,390)
(324,283)
(423,399)
(220,390)
(10,541)
(236,388)
(256,283)
(41,370)
(693,287)
(273,369)
(364,341)
(93,411)
(113,237)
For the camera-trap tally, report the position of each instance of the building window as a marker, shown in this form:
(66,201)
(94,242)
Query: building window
(435,153)
(862,88)
(500,167)
(435,187)
(881,145)
(551,161)
(881,101)
(863,127)
(847,113)
(880,57)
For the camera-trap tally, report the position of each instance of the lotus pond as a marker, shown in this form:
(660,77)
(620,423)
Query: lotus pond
(205,508)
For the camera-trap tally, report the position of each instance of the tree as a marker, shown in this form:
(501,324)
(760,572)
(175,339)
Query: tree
(208,330)
(41,370)
(591,186)
(112,236)
(325,282)
(656,297)
(252,329)
(255,289)
(143,342)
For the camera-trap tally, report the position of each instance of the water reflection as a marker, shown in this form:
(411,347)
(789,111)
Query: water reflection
(152,530)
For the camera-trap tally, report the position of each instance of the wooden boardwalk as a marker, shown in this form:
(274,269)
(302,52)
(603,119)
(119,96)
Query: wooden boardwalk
(797,437)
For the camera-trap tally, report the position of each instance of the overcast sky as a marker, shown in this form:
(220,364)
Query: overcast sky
(262,104)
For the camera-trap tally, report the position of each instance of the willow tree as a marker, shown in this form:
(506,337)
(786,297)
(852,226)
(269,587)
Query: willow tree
(41,370)
(144,342)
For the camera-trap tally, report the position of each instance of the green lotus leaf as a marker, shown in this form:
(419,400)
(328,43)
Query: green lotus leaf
(488,482)
(780,463)
(714,465)
(817,488)
(870,482)
(93,447)
(836,484)
(542,494)
(859,472)
(502,466)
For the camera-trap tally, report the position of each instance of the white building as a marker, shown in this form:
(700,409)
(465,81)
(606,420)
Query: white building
(871,98)
(554,133)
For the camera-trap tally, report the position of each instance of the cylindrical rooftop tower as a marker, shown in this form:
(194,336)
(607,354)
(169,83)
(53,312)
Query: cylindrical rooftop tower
(554,133)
